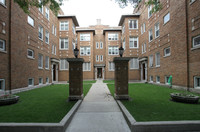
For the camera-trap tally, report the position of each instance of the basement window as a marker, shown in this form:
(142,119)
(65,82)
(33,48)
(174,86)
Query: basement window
(157,79)
(197,82)
(40,81)
(151,79)
(30,82)
(196,41)
(2,45)
(2,84)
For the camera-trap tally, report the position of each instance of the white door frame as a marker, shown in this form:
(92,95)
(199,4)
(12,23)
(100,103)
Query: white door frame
(144,62)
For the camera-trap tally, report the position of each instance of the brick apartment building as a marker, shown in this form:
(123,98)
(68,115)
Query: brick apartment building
(34,47)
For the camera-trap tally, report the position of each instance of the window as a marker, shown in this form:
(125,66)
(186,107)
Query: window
(97,45)
(113,50)
(157,79)
(113,36)
(124,44)
(133,24)
(47,37)
(2,45)
(167,52)
(30,21)
(101,45)
(111,66)
(84,37)
(40,61)
(133,42)
(143,48)
(73,44)
(144,27)
(47,80)
(52,49)
(101,58)
(30,53)
(40,81)
(64,25)
(157,30)
(191,1)
(52,29)
(40,31)
(3,2)
(151,61)
(134,63)
(197,82)
(141,29)
(2,84)
(41,9)
(158,59)
(149,11)
(64,65)
(150,35)
(166,79)
(55,30)
(151,79)
(64,43)
(166,18)
(30,82)
(97,58)
(196,41)
(47,62)
(73,29)
(86,66)
(85,50)
(47,13)
(123,28)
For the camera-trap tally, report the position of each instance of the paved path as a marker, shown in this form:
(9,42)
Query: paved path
(98,113)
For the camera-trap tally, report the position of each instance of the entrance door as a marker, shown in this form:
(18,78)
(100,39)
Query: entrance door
(144,71)
(99,72)
(54,72)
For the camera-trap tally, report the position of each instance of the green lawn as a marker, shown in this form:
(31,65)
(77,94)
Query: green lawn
(47,104)
(89,81)
(109,81)
(152,103)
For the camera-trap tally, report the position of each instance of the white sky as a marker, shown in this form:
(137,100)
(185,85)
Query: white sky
(87,11)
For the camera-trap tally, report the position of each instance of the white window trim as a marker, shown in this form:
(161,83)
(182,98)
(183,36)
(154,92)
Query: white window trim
(64,44)
(85,48)
(41,82)
(156,59)
(31,57)
(113,47)
(198,46)
(101,45)
(4,45)
(97,45)
(191,2)
(157,30)
(3,80)
(83,34)
(149,35)
(47,82)
(109,69)
(151,80)
(133,43)
(101,57)
(64,25)
(48,62)
(64,69)
(53,29)
(29,17)
(133,68)
(42,32)
(166,55)
(133,27)
(164,19)
(47,33)
(150,61)
(157,79)
(32,82)
(97,58)
(40,8)
(166,82)
(150,9)
(4,2)
(114,37)
(41,62)
(144,27)
(87,67)
(47,11)
(195,83)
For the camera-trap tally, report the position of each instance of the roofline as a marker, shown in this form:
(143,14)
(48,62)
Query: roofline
(70,16)
(86,30)
(127,15)
(107,30)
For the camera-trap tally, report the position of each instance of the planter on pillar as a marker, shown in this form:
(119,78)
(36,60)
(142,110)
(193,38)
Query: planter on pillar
(121,78)
(75,78)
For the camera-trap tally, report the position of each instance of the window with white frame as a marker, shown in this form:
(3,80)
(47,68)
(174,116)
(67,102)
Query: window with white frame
(197,82)
(64,25)
(143,48)
(40,61)
(166,79)
(30,53)
(151,61)
(40,81)
(64,65)
(2,84)
(141,29)
(133,42)
(53,29)
(55,50)
(40,32)
(151,79)
(73,44)
(97,58)
(101,58)
(144,27)
(123,28)
(166,18)
(112,36)
(41,8)
(157,30)
(113,50)
(157,79)
(30,21)
(97,45)
(30,82)
(124,43)
(52,48)
(47,13)
(167,51)
(150,35)
(47,62)
(196,41)
(111,66)
(133,24)
(149,11)
(47,37)
(3,2)
(191,1)
(47,80)
(101,45)
(158,59)
(2,45)
(73,29)
(134,63)
(86,66)
(64,44)
(85,50)
(84,37)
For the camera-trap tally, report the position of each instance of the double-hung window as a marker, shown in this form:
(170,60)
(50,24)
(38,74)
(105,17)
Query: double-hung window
(47,62)
(52,29)
(97,45)
(40,61)
(144,27)
(197,82)
(47,80)
(166,18)
(133,42)
(113,50)
(157,30)
(157,79)
(84,37)
(101,58)
(47,13)
(134,63)
(151,79)
(151,61)
(158,59)
(30,82)
(150,35)
(64,44)
(40,32)
(86,66)
(111,66)
(47,37)
(30,21)
(41,8)
(196,41)
(133,24)
(149,11)
(40,81)
(85,50)
(143,48)
(97,58)
(112,36)
(64,65)
(2,45)
(30,53)
(64,26)
(101,45)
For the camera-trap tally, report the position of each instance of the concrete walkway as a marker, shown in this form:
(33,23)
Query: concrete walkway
(98,113)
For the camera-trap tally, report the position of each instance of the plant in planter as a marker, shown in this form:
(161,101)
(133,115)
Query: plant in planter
(184,97)
(8,99)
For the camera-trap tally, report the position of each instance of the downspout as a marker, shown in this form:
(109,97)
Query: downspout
(187,44)
(9,41)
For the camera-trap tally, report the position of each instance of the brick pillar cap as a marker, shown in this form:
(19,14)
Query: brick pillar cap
(75,59)
(121,59)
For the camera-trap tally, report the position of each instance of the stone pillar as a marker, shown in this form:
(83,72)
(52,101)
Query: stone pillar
(75,78)
(121,78)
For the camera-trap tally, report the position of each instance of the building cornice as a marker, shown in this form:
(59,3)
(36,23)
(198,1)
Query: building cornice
(127,15)
(70,16)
